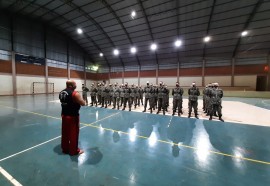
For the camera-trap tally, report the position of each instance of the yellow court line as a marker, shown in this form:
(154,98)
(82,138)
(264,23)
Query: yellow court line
(144,137)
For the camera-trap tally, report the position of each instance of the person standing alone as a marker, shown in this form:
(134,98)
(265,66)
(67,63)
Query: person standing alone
(71,102)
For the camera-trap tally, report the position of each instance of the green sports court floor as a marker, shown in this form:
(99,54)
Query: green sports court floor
(127,148)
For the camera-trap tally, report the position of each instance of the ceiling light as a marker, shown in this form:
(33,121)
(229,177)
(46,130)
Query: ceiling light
(153,47)
(133,14)
(101,54)
(133,50)
(206,39)
(244,33)
(178,43)
(115,52)
(79,31)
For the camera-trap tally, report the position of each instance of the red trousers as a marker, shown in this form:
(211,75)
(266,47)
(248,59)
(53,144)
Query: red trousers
(70,134)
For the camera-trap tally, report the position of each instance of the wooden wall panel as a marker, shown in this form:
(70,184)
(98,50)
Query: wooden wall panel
(218,71)
(76,74)
(102,76)
(30,69)
(250,69)
(57,72)
(190,71)
(131,74)
(168,72)
(92,76)
(116,75)
(5,66)
(148,73)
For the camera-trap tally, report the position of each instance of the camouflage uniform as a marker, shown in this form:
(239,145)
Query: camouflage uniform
(116,96)
(153,93)
(141,95)
(216,94)
(99,90)
(177,93)
(137,96)
(147,95)
(193,93)
(84,93)
(133,95)
(93,94)
(126,91)
(121,95)
(110,94)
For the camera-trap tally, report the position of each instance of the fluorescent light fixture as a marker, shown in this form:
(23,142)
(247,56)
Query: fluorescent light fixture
(244,33)
(133,50)
(133,14)
(207,39)
(101,54)
(153,46)
(116,52)
(94,68)
(79,31)
(178,43)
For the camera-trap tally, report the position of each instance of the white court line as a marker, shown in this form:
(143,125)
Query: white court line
(29,148)
(52,139)
(9,177)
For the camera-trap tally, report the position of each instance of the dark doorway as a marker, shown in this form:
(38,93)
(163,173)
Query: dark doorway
(261,83)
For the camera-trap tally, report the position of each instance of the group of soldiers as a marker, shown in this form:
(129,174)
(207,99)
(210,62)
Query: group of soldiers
(156,96)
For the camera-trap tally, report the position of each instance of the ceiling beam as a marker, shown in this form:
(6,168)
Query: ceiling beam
(85,14)
(148,25)
(104,2)
(208,26)
(246,25)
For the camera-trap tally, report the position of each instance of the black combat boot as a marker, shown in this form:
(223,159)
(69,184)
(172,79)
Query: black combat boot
(124,108)
(221,119)
(144,110)
(181,112)
(178,113)
(151,110)
(188,115)
(173,113)
(210,117)
(113,108)
(129,108)
(163,112)
(196,116)
(157,111)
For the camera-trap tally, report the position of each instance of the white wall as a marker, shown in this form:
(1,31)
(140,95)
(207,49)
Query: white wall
(145,79)
(89,82)
(187,81)
(6,84)
(221,80)
(25,84)
(116,80)
(59,83)
(169,81)
(249,81)
(131,81)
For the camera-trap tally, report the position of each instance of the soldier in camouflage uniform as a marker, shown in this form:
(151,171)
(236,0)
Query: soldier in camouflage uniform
(116,96)
(216,95)
(141,95)
(177,93)
(126,91)
(137,96)
(155,96)
(84,93)
(122,95)
(99,90)
(93,94)
(133,95)
(102,94)
(147,95)
(152,101)
(204,97)
(110,94)
(161,93)
(193,93)
(208,99)
(167,98)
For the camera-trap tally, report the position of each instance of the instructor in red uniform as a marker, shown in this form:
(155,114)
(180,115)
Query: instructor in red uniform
(71,102)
